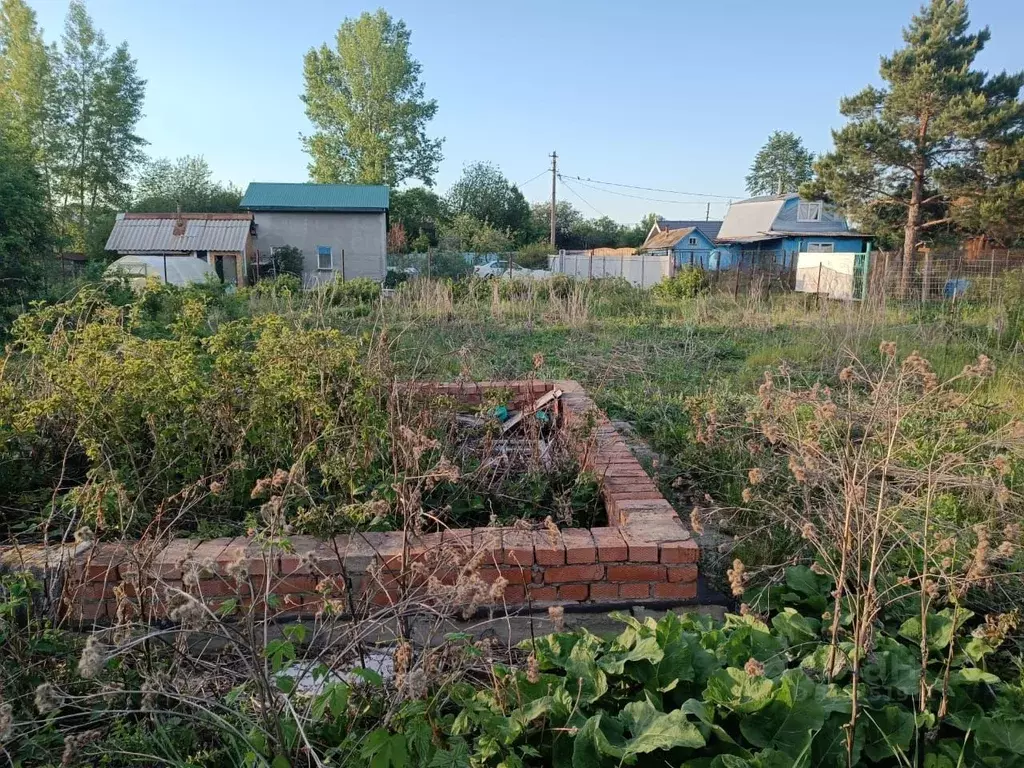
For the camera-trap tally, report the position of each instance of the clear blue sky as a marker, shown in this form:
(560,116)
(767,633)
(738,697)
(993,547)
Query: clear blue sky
(677,94)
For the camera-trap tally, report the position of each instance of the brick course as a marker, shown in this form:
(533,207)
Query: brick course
(644,553)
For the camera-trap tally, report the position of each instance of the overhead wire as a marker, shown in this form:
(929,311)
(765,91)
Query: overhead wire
(534,178)
(581,197)
(652,189)
(640,197)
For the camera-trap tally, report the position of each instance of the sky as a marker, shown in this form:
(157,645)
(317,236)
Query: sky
(676,95)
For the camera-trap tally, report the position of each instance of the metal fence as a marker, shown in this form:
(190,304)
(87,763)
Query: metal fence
(644,270)
(977,275)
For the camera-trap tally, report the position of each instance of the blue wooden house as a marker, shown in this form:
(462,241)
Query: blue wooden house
(689,246)
(784,225)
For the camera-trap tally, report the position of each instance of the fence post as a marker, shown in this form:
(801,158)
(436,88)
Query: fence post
(926,276)
(342,265)
(992,274)
(643,264)
(428,263)
(590,266)
(736,282)
(622,265)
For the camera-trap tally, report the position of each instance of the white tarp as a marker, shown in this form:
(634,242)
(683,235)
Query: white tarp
(829,274)
(179,270)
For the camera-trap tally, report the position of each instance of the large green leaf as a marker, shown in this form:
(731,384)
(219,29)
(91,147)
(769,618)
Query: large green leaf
(798,630)
(585,680)
(643,649)
(888,732)
(792,718)
(737,691)
(1001,733)
(705,713)
(894,666)
(652,730)
(827,662)
(592,748)
(941,627)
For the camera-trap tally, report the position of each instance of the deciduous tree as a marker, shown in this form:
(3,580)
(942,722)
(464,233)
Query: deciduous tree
(367,104)
(188,181)
(781,165)
(25,242)
(484,194)
(937,144)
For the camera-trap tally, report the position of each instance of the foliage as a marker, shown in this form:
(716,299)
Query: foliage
(781,165)
(284,260)
(421,211)
(484,194)
(366,102)
(359,290)
(467,234)
(284,284)
(914,157)
(26,81)
(25,235)
(534,255)
(684,284)
(188,183)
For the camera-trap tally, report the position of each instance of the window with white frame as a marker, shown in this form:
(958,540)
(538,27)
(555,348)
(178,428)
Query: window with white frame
(693,241)
(324,257)
(808,212)
(821,247)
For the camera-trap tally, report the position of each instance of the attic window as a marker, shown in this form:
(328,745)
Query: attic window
(808,212)
(693,241)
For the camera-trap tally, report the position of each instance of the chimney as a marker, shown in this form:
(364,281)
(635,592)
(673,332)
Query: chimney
(179,224)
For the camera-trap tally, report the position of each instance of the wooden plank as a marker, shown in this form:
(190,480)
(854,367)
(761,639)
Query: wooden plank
(539,403)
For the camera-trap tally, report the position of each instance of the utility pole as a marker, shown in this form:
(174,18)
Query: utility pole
(707,213)
(554,177)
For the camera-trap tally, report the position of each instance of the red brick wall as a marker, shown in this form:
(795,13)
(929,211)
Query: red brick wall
(645,553)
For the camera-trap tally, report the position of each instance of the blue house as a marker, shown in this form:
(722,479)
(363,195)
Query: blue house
(784,225)
(689,246)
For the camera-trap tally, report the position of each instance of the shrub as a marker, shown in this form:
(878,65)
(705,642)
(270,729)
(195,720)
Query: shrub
(358,290)
(687,283)
(282,285)
(534,255)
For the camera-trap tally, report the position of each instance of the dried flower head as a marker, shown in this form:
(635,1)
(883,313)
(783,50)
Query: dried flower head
(532,669)
(847,375)
(538,361)
(48,699)
(737,577)
(217,487)
(280,479)
(696,524)
(887,348)
(755,476)
(754,668)
(84,535)
(238,569)
(189,611)
(983,368)
(808,532)
(73,744)
(6,721)
(556,614)
(1001,463)
(798,469)
(748,495)
(94,658)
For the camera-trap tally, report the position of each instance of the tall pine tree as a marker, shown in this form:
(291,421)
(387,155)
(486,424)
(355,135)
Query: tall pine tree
(921,150)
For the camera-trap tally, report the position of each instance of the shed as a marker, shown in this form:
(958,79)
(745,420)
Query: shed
(225,241)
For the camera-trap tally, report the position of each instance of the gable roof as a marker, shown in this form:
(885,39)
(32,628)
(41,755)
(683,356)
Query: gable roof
(775,216)
(707,228)
(668,238)
(161,232)
(261,196)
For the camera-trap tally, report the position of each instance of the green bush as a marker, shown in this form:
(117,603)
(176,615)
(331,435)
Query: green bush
(358,290)
(534,255)
(282,285)
(687,283)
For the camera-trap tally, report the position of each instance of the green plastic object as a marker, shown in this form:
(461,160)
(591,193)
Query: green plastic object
(543,417)
(500,413)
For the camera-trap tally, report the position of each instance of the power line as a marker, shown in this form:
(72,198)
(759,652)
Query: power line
(581,197)
(640,197)
(655,189)
(546,170)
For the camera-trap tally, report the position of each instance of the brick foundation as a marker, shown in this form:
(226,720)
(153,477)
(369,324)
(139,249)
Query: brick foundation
(644,554)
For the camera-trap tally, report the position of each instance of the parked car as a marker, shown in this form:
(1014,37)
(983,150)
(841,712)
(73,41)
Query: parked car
(500,268)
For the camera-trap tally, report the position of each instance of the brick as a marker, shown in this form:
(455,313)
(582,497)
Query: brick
(94,591)
(680,552)
(569,573)
(677,573)
(636,573)
(541,594)
(459,542)
(641,550)
(685,590)
(297,556)
(604,591)
(90,610)
(611,547)
(515,594)
(511,575)
(166,564)
(216,587)
(212,551)
(490,541)
(356,553)
(579,546)
(389,548)
(548,548)
(518,547)
(634,591)
(578,592)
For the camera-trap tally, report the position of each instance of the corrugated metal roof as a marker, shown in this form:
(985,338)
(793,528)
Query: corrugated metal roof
(774,216)
(753,217)
(707,228)
(315,197)
(145,233)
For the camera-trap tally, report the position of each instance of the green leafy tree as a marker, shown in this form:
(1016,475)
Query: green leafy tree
(781,165)
(421,211)
(99,104)
(485,194)
(25,241)
(465,233)
(26,82)
(188,181)
(367,104)
(569,224)
(926,146)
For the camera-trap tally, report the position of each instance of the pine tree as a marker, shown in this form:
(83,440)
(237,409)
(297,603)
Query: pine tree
(781,165)
(921,148)
(367,103)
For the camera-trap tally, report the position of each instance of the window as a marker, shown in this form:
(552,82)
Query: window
(324,257)
(808,212)
(821,247)
(693,241)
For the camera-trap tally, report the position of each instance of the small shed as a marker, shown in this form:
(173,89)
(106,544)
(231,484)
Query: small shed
(688,247)
(224,241)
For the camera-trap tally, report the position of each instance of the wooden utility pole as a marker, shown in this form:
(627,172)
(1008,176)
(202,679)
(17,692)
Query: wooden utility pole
(707,213)
(554,177)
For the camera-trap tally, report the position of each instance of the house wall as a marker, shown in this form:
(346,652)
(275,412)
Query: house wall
(785,220)
(361,236)
(698,255)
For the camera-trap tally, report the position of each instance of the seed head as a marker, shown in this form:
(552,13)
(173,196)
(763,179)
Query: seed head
(754,668)
(532,669)
(94,658)
(737,577)
(695,522)
(48,698)
(755,476)
(557,615)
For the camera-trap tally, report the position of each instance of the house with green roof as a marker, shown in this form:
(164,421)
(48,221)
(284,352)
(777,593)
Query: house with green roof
(341,229)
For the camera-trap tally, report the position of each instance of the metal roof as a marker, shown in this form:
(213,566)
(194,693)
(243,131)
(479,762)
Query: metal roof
(707,228)
(668,238)
(775,216)
(261,196)
(156,233)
